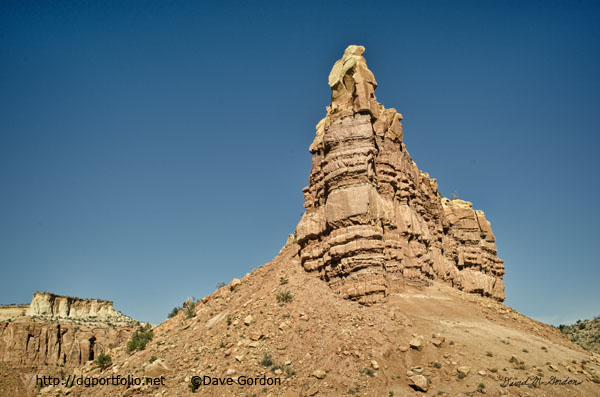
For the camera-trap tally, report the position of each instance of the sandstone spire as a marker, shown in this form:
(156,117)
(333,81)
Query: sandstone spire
(373,220)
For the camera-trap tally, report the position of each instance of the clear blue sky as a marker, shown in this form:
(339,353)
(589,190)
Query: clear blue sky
(149,150)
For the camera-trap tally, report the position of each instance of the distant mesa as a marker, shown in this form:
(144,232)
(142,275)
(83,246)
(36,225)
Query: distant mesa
(51,306)
(59,331)
(373,220)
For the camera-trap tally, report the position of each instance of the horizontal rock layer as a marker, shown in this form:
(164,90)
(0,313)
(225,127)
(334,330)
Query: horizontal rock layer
(46,304)
(30,343)
(373,219)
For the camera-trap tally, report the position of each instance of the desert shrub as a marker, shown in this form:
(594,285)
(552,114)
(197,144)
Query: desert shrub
(103,361)
(174,312)
(284,296)
(140,338)
(283,281)
(193,386)
(221,284)
(367,371)
(152,359)
(267,360)
(289,371)
(190,311)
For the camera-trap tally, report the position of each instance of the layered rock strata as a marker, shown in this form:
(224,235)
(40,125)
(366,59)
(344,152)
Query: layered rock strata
(28,342)
(60,330)
(373,220)
(46,304)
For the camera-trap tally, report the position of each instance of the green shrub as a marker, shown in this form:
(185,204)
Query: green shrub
(140,338)
(103,361)
(367,371)
(174,312)
(193,386)
(284,296)
(267,360)
(190,310)
(289,371)
(283,281)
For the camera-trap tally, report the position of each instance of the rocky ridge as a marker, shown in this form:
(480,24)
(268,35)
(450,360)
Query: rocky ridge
(279,321)
(585,333)
(373,220)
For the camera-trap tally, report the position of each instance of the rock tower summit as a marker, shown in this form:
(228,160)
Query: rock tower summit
(373,220)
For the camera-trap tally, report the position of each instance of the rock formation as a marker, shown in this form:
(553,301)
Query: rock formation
(32,342)
(373,220)
(61,330)
(374,224)
(51,305)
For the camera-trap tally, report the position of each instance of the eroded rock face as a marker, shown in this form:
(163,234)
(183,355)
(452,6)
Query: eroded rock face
(373,220)
(28,342)
(60,330)
(46,304)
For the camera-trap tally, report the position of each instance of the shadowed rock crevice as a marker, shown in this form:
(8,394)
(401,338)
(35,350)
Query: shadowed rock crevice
(373,220)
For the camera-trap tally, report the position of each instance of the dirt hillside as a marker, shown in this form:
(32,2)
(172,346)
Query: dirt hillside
(321,344)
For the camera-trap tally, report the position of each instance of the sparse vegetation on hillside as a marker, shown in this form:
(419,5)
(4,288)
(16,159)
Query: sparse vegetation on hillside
(189,307)
(174,312)
(267,360)
(585,333)
(284,296)
(103,361)
(190,311)
(140,338)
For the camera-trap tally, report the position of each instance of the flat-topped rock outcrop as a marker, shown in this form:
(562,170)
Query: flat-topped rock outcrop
(373,220)
(60,330)
(46,304)
(52,306)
